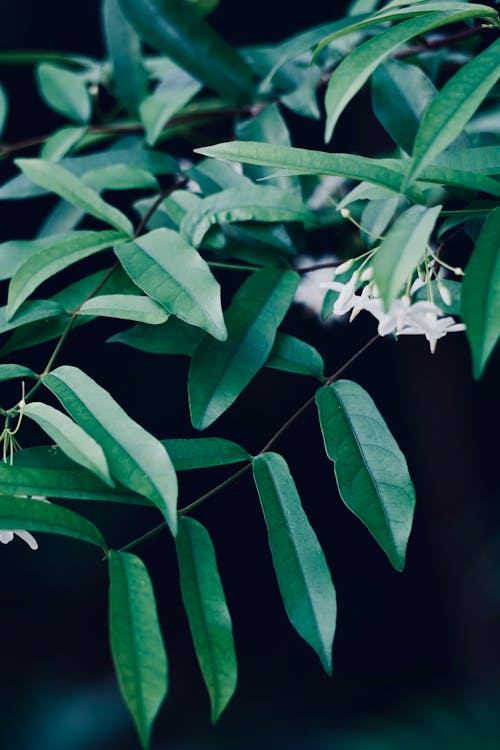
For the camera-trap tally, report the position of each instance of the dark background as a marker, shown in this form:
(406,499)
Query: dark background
(416,652)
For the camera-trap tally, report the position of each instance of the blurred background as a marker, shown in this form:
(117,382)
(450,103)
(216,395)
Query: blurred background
(416,655)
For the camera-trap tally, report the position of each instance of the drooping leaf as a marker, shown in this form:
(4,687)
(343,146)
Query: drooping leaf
(135,457)
(9,372)
(252,203)
(13,253)
(61,142)
(382,172)
(65,91)
(182,34)
(207,611)
(204,453)
(293,355)
(56,179)
(171,272)
(172,337)
(71,439)
(354,70)
(220,371)
(453,107)
(371,472)
(400,95)
(32,311)
(176,89)
(124,50)
(137,644)
(403,247)
(303,576)
(480,302)
(126,307)
(36,515)
(54,257)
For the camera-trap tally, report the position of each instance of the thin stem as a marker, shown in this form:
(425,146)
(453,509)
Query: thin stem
(232,266)
(434,44)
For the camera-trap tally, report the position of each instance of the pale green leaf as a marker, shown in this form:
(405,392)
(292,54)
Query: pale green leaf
(252,203)
(402,249)
(183,35)
(137,644)
(36,515)
(303,576)
(126,307)
(124,50)
(9,372)
(203,453)
(172,273)
(172,337)
(220,371)
(56,179)
(208,614)
(120,177)
(176,89)
(372,474)
(71,439)
(480,303)
(32,311)
(54,257)
(453,107)
(65,91)
(135,457)
(61,142)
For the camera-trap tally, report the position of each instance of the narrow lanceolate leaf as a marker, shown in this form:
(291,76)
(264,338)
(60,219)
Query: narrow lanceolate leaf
(61,142)
(453,107)
(174,91)
(220,371)
(70,438)
(171,272)
(293,355)
(9,372)
(52,258)
(124,50)
(33,311)
(480,301)
(36,515)
(181,33)
(58,180)
(172,337)
(400,95)
(137,644)
(251,203)
(204,453)
(372,474)
(482,159)
(355,70)
(208,615)
(403,247)
(136,458)
(126,307)
(303,576)
(64,91)
(383,172)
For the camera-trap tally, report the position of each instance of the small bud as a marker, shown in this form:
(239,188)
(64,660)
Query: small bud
(444,293)
(22,404)
(93,89)
(367,274)
(346,266)
(458,271)
(345,213)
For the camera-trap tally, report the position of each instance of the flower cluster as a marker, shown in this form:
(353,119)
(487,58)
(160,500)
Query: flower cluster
(403,317)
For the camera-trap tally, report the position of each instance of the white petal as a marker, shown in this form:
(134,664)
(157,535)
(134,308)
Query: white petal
(6,536)
(28,538)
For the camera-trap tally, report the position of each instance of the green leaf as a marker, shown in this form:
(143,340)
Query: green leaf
(137,644)
(33,310)
(4,109)
(14,252)
(293,355)
(480,302)
(172,337)
(171,272)
(120,177)
(208,615)
(46,471)
(384,172)
(354,70)
(453,107)
(482,159)
(303,576)
(36,515)
(56,179)
(403,247)
(54,257)
(125,307)
(61,142)
(135,457)
(371,472)
(72,440)
(220,371)
(64,91)
(204,453)
(182,34)
(124,50)
(173,93)
(400,95)
(252,203)
(9,372)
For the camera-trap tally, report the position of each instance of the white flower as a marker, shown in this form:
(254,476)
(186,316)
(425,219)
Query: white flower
(432,327)
(8,536)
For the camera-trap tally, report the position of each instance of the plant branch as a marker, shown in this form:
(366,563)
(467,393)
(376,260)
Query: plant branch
(438,42)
